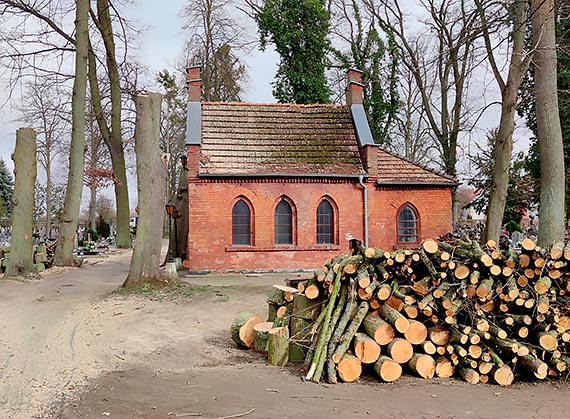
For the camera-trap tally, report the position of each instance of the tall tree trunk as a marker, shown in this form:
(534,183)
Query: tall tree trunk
(68,224)
(552,178)
(151,179)
(509,94)
(21,262)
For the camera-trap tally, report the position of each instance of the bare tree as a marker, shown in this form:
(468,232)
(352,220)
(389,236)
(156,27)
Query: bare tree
(45,107)
(411,136)
(50,48)
(492,17)
(442,69)
(217,41)
(552,175)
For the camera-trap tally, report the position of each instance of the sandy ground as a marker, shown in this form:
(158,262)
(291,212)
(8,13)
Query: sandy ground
(69,349)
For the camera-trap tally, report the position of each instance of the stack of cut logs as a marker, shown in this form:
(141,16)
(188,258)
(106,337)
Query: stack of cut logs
(444,309)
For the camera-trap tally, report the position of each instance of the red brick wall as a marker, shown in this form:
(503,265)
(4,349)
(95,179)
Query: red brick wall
(210,241)
(432,207)
(210,231)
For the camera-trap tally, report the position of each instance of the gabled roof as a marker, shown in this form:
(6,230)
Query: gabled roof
(395,170)
(278,139)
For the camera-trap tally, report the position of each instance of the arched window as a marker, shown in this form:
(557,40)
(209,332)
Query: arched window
(241,224)
(283,223)
(325,223)
(407,225)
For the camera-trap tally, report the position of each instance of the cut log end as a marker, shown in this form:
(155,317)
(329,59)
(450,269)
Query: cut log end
(423,365)
(349,368)
(430,246)
(387,369)
(400,350)
(365,348)
(503,376)
(417,332)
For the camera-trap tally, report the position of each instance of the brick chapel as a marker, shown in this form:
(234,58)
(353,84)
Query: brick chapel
(284,186)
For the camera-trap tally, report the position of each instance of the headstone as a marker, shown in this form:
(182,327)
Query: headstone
(516,238)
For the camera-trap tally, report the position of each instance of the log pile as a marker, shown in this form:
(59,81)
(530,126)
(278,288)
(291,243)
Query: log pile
(442,310)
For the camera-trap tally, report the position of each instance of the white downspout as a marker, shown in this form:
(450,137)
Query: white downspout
(365,198)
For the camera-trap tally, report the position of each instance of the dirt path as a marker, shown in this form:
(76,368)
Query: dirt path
(69,349)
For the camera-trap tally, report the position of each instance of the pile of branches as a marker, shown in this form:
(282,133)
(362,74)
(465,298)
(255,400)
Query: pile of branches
(444,309)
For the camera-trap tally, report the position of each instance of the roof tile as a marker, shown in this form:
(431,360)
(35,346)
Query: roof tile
(395,169)
(250,139)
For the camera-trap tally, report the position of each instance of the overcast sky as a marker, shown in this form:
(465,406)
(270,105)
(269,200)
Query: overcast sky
(161,45)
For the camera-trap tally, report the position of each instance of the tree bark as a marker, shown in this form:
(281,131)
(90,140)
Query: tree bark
(151,184)
(21,262)
(552,175)
(68,224)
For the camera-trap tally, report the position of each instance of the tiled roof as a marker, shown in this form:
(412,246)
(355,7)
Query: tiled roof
(397,170)
(253,139)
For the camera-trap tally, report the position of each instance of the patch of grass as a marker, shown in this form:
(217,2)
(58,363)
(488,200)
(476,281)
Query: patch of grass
(162,290)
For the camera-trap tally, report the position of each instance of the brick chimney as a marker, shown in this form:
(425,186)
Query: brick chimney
(194,83)
(354,88)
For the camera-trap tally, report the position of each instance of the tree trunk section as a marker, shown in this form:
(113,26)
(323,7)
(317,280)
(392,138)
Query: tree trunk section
(151,179)
(503,375)
(395,318)
(349,368)
(117,154)
(416,333)
(68,224)
(387,369)
(242,329)
(400,350)
(377,328)
(423,365)
(260,336)
(504,138)
(365,348)
(278,346)
(444,368)
(21,262)
(351,330)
